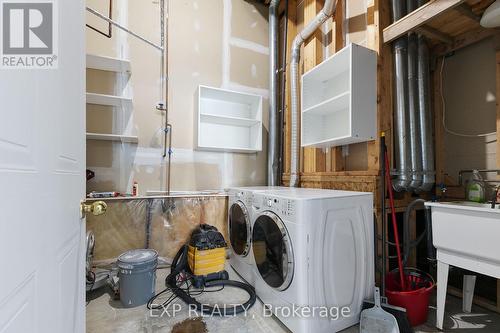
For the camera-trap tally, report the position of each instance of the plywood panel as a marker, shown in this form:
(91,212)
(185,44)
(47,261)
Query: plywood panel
(125,224)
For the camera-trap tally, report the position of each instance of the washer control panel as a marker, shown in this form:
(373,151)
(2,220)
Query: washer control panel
(245,197)
(283,207)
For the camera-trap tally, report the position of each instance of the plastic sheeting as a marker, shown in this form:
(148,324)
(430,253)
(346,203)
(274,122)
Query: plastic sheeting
(163,224)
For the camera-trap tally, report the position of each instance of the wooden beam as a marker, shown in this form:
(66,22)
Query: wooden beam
(465,10)
(418,17)
(434,34)
(463,40)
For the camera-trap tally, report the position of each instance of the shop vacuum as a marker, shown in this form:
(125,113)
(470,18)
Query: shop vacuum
(198,267)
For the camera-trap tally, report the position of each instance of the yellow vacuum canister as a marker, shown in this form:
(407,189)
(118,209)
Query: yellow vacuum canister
(207,253)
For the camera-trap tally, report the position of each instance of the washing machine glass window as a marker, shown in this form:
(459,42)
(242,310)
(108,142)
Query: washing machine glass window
(239,229)
(272,250)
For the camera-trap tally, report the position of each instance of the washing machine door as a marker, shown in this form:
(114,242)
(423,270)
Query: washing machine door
(272,248)
(239,228)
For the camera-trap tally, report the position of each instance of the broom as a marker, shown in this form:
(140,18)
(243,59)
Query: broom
(398,312)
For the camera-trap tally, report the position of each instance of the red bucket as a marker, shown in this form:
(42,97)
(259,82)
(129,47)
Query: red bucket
(416,298)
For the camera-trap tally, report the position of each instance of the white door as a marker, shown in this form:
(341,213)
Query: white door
(42,180)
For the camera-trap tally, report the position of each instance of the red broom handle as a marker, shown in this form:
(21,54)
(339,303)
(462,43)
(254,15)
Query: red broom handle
(394,224)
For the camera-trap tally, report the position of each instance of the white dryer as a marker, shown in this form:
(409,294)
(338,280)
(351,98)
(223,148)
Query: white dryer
(240,217)
(313,252)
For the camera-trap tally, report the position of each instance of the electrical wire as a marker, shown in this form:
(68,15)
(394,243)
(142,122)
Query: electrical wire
(443,102)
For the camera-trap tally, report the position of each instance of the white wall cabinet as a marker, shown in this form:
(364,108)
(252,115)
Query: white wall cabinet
(339,99)
(228,121)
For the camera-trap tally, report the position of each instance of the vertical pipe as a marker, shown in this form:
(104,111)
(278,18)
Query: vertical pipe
(413,112)
(309,29)
(281,119)
(400,53)
(273,143)
(167,152)
(425,115)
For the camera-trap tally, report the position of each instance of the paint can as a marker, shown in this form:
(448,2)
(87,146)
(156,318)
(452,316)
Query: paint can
(137,276)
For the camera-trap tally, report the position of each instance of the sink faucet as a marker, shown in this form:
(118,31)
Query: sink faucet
(495,196)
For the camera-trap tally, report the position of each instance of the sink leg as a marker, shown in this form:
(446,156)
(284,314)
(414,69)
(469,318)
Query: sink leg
(468,292)
(442,284)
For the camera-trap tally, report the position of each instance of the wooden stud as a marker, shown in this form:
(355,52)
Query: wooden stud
(463,40)
(336,160)
(465,10)
(432,33)
(314,159)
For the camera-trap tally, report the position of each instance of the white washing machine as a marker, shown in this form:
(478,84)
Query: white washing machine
(313,251)
(240,217)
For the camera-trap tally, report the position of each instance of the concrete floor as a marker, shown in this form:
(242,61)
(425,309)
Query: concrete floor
(105,315)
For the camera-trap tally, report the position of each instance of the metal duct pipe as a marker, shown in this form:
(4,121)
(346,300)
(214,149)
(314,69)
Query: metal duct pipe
(400,53)
(308,30)
(273,142)
(413,113)
(425,116)
(282,93)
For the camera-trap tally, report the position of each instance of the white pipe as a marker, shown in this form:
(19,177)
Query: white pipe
(327,11)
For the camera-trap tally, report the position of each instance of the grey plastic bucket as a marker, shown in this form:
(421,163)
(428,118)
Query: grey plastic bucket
(137,274)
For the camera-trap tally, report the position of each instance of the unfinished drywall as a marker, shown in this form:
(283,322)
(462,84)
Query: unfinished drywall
(219,43)
(469,86)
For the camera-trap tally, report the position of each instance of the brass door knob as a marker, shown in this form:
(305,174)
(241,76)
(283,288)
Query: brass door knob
(96,208)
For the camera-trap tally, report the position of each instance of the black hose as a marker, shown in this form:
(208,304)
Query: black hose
(407,244)
(179,265)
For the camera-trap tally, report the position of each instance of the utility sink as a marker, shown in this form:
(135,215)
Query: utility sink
(467,229)
(465,235)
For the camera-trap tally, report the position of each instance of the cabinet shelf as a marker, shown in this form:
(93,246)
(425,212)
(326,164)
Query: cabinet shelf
(112,137)
(225,120)
(339,99)
(110,100)
(333,104)
(110,64)
(228,121)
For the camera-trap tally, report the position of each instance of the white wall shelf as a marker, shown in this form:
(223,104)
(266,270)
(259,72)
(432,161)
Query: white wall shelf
(112,137)
(108,63)
(339,99)
(110,100)
(228,121)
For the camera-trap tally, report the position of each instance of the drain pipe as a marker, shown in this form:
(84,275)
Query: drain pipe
(327,11)
(425,114)
(426,142)
(273,143)
(413,107)
(402,153)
